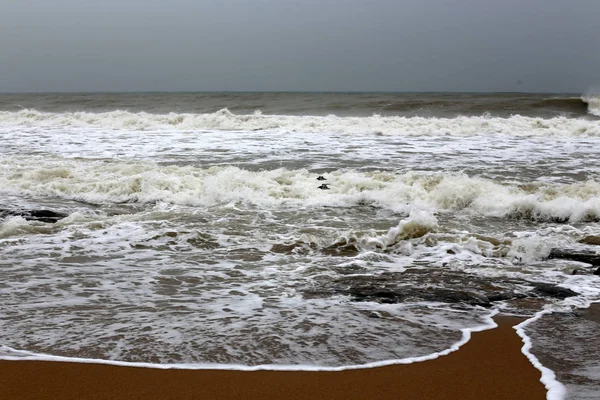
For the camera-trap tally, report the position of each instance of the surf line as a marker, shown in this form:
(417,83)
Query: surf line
(556,390)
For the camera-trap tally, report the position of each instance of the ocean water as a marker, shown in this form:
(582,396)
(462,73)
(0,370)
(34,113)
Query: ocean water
(197,233)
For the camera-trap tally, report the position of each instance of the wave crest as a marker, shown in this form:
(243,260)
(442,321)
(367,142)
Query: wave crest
(593,104)
(227,121)
(99,182)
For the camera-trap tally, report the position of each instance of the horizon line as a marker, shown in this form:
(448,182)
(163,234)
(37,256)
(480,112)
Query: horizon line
(280,92)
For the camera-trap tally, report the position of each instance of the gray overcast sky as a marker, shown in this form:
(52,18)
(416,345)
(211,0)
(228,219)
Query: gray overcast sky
(299,45)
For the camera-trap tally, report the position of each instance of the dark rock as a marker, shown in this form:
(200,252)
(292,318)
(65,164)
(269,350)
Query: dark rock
(582,271)
(548,289)
(592,240)
(284,248)
(34,215)
(349,250)
(390,296)
(435,285)
(321,178)
(417,285)
(457,296)
(203,241)
(296,247)
(597,272)
(45,215)
(342,248)
(323,187)
(589,258)
(503,296)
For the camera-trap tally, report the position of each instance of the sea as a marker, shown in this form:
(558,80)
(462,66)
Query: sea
(300,231)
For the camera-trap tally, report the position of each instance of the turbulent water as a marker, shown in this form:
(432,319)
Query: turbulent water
(197,233)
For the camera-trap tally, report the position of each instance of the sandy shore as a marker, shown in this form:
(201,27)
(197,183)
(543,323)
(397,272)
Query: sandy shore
(490,366)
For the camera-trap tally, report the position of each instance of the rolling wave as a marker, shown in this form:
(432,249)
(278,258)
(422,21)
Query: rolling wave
(567,104)
(98,182)
(447,105)
(593,104)
(225,120)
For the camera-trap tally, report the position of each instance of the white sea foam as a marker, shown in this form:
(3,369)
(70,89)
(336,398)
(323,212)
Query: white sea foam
(593,102)
(556,390)
(416,225)
(224,120)
(144,182)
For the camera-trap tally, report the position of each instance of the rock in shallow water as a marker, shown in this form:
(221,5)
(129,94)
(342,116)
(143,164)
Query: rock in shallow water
(34,215)
(433,285)
(591,240)
(576,255)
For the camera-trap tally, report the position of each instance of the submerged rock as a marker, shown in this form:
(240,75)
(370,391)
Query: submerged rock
(435,285)
(34,215)
(548,289)
(347,248)
(574,255)
(419,294)
(591,240)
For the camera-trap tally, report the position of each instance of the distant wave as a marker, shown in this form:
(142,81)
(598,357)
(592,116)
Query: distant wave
(441,105)
(380,125)
(500,105)
(567,104)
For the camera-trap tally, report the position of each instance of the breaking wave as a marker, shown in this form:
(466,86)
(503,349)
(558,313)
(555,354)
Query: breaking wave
(99,182)
(384,125)
(593,104)
(574,105)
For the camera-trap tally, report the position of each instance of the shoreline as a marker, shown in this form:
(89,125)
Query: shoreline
(490,365)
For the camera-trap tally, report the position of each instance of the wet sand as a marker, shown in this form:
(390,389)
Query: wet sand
(489,366)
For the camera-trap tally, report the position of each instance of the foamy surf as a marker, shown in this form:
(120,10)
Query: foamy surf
(101,182)
(556,390)
(593,103)
(8,353)
(224,120)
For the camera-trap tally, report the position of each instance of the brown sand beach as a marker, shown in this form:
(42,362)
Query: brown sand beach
(489,366)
